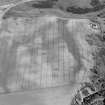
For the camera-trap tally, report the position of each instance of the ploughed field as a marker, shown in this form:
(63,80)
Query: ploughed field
(34,54)
(45,52)
(42,52)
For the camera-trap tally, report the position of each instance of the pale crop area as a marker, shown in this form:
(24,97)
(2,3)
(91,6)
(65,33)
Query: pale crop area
(48,56)
(43,58)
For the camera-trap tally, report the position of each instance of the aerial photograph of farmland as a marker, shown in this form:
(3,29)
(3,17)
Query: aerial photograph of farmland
(52,52)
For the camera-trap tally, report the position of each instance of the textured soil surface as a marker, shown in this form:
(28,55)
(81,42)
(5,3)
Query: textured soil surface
(16,89)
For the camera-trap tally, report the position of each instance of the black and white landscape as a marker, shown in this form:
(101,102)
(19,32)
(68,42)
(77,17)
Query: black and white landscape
(52,52)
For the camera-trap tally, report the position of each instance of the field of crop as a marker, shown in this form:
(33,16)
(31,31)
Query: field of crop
(52,56)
